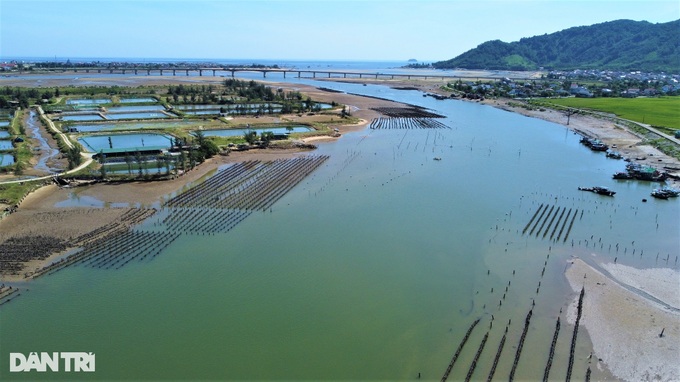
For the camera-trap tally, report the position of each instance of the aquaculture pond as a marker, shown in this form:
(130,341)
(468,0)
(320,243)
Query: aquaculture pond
(82,117)
(6,159)
(151,167)
(237,132)
(127,109)
(131,126)
(227,106)
(146,115)
(137,100)
(4,134)
(248,108)
(94,143)
(6,145)
(87,101)
(4,123)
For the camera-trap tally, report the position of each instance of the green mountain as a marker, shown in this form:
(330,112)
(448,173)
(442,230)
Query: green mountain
(615,45)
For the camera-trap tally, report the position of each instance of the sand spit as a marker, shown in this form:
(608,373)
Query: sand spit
(660,283)
(625,326)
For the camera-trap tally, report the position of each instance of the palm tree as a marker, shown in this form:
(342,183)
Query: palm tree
(128,161)
(266,137)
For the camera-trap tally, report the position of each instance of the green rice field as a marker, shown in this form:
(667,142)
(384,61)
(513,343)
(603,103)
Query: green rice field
(662,111)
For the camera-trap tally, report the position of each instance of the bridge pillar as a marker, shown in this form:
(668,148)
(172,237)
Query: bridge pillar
(313,74)
(299,74)
(200,72)
(284,74)
(232,73)
(409,77)
(213,72)
(329,74)
(376,76)
(344,75)
(135,72)
(87,70)
(264,74)
(174,72)
(123,71)
(393,76)
(99,70)
(110,71)
(187,72)
(360,75)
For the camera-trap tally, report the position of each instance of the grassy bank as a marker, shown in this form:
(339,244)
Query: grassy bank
(661,112)
(13,193)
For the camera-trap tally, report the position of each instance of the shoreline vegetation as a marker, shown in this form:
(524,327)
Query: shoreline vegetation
(623,324)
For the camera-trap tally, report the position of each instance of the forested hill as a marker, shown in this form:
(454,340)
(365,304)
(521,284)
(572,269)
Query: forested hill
(615,45)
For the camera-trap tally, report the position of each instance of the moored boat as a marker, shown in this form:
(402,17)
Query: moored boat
(665,193)
(599,190)
(614,155)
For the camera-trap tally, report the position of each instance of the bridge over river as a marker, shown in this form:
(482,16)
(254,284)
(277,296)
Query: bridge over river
(299,73)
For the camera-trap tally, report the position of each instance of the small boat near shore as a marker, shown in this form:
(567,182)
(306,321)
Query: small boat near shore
(614,155)
(622,175)
(640,172)
(665,193)
(594,144)
(599,190)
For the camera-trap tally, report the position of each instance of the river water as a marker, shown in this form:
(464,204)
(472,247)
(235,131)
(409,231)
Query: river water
(47,153)
(372,268)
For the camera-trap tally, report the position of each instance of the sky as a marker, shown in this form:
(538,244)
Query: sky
(368,30)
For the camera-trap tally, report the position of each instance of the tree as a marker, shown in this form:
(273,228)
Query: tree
(199,136)
(139,159)
(250,137)
(19,168)
(73,156)
(192,158)
(209,148)
(102,160)
(159,163)
(128,161)
(266,137)
(166,161)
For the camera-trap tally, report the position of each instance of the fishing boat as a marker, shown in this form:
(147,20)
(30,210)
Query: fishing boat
(594,144)
(614,155)
(665,193)
(599,190)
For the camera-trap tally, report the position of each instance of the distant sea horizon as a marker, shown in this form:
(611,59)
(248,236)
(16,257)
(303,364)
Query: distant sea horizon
(340,63)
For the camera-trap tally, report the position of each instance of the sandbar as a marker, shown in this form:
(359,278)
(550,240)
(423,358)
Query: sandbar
(624,326)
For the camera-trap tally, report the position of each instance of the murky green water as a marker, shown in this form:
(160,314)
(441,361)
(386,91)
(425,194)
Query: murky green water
(372,268)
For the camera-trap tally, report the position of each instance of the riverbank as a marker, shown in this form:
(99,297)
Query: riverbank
(626,326)
(616,135)
(628,143)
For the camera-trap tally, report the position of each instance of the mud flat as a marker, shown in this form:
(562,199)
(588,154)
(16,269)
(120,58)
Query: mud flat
(625,315)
